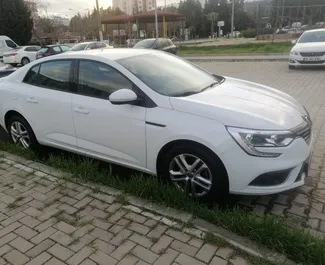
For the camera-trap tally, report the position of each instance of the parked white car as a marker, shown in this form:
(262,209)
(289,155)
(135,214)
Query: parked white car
(90,46)
(160,114)
(21,55)
(6,44)
(309,50)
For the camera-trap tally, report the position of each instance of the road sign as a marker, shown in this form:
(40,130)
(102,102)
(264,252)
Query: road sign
(221,23)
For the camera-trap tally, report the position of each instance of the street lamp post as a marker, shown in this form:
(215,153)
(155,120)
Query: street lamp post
(232,17)
(156,20)
(99,22)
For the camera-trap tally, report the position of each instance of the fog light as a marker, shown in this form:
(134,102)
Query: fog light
(271,178)
(292,61)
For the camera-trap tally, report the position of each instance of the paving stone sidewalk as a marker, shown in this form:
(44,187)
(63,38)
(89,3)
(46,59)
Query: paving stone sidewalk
(47,220)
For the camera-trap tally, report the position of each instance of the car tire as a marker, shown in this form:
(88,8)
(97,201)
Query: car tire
(213,174)
(14,64)
(25,61)
(21,133)
(292,67)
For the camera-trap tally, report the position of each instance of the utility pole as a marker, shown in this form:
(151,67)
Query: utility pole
(156,20)
(232,18)
(283,2)
(99,22)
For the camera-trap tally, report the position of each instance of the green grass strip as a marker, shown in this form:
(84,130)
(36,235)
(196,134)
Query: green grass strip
(247,48)
(273,232)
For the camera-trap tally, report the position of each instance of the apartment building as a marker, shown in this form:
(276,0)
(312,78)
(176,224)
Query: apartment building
(130,6)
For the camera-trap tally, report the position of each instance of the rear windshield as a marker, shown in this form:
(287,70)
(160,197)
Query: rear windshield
(43,50)
(145,44)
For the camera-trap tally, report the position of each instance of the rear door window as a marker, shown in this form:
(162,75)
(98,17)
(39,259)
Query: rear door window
(30,49)
(65,48)
(43,50)
(57,49)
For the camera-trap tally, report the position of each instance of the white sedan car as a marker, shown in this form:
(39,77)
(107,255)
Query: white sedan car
(21,55)
(90,46)
(160,114)
(309,50)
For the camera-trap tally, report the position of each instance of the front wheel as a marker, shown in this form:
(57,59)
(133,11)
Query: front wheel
(196,171)
(292,67)
(21,133)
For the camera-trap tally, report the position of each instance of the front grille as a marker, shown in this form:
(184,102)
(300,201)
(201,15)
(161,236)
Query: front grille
(312,54)
(311,62)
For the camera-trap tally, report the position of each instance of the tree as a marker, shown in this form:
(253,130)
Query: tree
(285,12)
(16,21)
(212,17)
(192,10)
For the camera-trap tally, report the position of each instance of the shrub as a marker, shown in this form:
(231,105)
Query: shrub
(249,33)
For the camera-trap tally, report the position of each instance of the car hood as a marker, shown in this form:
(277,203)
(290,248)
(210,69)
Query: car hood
(309,47)
(244,104)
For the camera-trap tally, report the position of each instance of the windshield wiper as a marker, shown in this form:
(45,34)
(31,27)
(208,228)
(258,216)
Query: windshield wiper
(211,85)
(185,94)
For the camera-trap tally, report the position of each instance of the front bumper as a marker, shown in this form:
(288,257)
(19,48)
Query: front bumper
(298,60)
(290,169)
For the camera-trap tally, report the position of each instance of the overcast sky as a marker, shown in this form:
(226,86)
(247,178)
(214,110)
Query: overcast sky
(61,7)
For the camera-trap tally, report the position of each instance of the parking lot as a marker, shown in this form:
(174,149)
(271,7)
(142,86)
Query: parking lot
(305,205)
(308,86)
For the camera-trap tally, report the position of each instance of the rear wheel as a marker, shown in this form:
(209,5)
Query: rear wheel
(21,133)
(14,64)
(196,171)
(25,61)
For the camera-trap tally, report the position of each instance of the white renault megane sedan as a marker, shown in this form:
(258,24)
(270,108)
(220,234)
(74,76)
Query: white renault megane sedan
(157,113)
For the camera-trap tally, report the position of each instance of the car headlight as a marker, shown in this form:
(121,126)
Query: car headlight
(294,53)
(249,140)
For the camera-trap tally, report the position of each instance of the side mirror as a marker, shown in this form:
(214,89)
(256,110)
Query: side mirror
(123,96)
(293,42)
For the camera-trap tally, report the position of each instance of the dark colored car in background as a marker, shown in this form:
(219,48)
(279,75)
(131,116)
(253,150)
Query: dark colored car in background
(157,44)
(49,50)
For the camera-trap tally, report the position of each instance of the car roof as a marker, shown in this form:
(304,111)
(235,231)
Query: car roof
(315,30)
(110,54)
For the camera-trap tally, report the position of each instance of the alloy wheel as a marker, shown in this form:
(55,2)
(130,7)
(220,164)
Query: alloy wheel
(25,61)
(190,174)
(19,134)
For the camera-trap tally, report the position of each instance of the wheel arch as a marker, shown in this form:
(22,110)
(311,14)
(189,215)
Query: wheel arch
(168,146)
(10,114)
(25,57)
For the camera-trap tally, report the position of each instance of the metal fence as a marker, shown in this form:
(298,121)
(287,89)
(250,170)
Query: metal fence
(282,19)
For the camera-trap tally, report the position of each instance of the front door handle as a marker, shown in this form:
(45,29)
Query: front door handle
(81,110)
(32,100)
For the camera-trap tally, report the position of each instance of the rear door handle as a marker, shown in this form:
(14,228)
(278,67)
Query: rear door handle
(32,100)
(81,110)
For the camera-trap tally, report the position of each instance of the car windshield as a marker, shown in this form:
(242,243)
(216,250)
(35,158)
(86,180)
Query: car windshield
(169,75)
(43,50)
(79,47)
(144,44)
(314,36)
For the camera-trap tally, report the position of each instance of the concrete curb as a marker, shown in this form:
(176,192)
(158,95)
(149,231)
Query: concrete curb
(171,217)
(193,59)
(236,55)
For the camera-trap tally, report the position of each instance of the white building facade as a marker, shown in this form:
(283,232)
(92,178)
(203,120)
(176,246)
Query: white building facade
(131,6)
